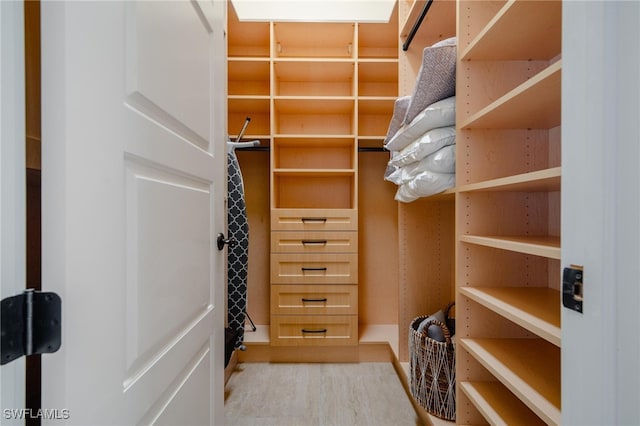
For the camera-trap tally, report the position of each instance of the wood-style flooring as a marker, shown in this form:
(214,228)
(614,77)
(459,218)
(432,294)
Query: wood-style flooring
(317,394)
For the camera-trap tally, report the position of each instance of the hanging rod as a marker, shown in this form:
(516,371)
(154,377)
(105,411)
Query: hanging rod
(267,149)
(416,25)
(253,148)
(372,149)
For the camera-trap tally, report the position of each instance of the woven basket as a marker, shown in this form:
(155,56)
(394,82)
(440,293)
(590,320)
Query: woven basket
(432,368)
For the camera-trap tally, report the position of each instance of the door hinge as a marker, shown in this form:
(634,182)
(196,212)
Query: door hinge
(31,324)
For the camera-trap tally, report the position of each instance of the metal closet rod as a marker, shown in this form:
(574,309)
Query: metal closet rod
(267,149)
(416,25)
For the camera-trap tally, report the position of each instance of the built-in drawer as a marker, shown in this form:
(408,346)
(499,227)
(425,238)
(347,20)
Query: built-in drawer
(314,268)
(314,220)
(314,299)
(314,242)
(314,330)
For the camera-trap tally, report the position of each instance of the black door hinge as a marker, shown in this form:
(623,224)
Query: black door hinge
(31,324)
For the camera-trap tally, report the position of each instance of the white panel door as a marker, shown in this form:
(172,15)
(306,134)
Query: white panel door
(133,196)
(12,192)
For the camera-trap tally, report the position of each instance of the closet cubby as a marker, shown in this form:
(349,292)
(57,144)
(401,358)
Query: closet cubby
(508,210)
(374,116)
(379,40)
(314,189)
(314,153)
(313,40)
(314,116)
(378,79)
(532,28)
(258,109)
(314,78)
(248,78)
(246,39)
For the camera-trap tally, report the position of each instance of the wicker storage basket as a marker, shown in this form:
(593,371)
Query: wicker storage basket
(432,367)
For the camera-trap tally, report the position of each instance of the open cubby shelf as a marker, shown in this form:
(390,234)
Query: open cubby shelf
(535,104)
(498,405)
(533,308)
(529,368)
(534,30)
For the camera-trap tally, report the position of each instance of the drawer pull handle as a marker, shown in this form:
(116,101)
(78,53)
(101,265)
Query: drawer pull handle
(314,269)
(321,330)
(314,220)
(323,299)
(314,242)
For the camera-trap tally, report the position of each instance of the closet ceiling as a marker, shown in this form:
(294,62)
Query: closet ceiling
(314,10)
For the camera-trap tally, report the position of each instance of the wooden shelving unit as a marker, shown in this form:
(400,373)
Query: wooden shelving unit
(315,93)
(508,211)
(313,172)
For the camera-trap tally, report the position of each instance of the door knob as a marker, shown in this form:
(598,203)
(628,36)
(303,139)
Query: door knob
(221,240)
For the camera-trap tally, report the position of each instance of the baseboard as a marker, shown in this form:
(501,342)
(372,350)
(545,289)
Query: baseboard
(233,361)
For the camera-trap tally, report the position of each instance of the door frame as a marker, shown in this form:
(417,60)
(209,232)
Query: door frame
(12,188)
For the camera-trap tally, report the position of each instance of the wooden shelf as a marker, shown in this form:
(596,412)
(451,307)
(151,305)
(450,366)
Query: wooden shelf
(448,194)
(314,172)
(312,136)
(240,103)
(536,309)
(530,368)
(498,405)
(547,180)
(533,28)
(376,105)
(535,104)
(438,24)
(538,246)
(314,104)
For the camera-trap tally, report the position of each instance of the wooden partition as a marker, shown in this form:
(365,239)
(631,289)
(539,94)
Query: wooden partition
(426,227)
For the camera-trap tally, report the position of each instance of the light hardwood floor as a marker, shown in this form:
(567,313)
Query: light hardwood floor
(317,394)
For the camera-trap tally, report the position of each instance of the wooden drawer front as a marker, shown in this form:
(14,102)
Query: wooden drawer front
(314,299)
(314,220)
(314,330)
(314,268)
(314,242)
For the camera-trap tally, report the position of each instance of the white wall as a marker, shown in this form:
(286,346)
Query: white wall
(601,210)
